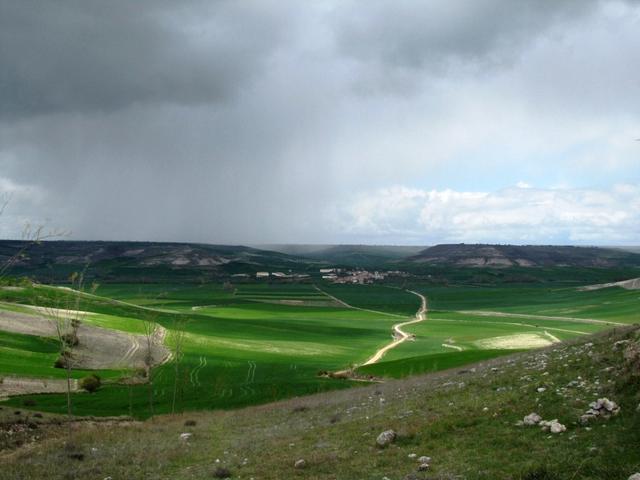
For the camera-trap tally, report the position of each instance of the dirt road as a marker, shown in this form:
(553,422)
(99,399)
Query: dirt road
(486,313)
(346,305)
(400,335)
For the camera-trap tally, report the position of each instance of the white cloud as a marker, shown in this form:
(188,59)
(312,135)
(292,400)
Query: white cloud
(513,215)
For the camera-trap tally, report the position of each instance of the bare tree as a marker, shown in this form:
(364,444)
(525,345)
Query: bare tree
(65,312)
(178,341)
(149,326)
(31,235)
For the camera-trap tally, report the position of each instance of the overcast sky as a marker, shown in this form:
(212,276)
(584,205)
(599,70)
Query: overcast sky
(405,122)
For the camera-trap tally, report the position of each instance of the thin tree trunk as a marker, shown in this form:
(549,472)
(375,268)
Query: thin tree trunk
(130,400)
(150,391)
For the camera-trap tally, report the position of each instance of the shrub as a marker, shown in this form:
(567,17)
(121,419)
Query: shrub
(29,402)
(70,339)
(190,423)
(91,383)
(63,360)
(539,473)
(76,456)
(221,472)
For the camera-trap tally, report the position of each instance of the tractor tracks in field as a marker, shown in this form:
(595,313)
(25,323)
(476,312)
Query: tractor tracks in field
(251,372)
(194,376)
(128,356)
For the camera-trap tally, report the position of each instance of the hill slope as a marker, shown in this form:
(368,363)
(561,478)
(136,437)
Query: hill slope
(350,255)
(129,260)
(481,255)
(465,420)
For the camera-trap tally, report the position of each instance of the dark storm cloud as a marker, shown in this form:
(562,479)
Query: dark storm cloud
(245,122)
(433,35)
(87,55)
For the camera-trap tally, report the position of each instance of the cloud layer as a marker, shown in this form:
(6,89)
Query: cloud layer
(520,214)
(273,121)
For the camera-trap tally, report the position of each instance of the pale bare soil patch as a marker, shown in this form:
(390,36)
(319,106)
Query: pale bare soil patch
(515,342)
(24,385)
(12,289)
(26,324)
(632,284)
(59,312)
(98,348)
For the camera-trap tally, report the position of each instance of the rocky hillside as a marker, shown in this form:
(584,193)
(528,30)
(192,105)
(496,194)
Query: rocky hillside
(117,260)
(567,412)
(481,255)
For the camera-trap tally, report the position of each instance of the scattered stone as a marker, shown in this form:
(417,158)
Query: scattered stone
(300,463)
(532,419)
(412,455)
(424,459)
(423,467)
(620,343)
(385,438)
(635,476)
(185,437)
(601,408)
(541,389)
(552,426)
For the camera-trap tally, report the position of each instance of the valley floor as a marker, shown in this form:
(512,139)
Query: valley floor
(217,346)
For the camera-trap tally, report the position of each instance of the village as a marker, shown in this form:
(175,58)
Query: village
(340,275)
(334,275)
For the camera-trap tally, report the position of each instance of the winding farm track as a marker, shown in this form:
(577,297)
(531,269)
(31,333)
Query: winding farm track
(346,305)
(486,313)
(400,336)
